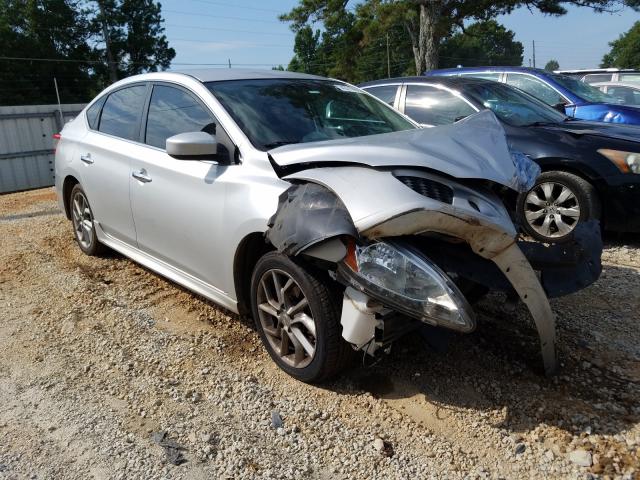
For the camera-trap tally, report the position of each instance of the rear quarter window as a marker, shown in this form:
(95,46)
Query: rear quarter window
(93,113)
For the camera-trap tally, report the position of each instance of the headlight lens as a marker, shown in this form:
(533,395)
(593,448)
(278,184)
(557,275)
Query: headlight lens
(627,162)
(410,283)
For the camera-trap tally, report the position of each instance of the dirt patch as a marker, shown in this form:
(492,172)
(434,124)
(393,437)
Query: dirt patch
(99,355)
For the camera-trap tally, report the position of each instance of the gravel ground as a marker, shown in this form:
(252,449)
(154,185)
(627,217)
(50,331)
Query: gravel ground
(109,371)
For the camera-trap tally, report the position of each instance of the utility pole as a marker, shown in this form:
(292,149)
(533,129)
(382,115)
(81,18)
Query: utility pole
(229,63)
(55,84)
(113,71)
(534,53)
(388,60)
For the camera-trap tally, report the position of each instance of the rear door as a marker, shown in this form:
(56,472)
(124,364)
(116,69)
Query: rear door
(178,205)
(106,153)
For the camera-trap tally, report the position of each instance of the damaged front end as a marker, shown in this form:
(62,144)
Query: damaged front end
(403,220)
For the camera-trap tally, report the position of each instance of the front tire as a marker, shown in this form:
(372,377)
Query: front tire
(297,315)
(83,225)
(556,204)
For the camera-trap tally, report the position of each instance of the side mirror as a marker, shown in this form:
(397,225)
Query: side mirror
(192,146)
(559,107)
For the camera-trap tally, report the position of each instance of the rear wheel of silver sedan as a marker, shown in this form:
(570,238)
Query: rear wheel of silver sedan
(552,209)
(82,219)
(297,314)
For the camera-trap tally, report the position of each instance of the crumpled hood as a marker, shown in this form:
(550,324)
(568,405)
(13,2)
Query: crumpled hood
(473,148)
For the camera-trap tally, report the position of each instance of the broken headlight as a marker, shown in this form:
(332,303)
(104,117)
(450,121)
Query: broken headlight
(411,284)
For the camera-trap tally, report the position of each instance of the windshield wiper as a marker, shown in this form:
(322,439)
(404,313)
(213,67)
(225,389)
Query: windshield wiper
(279,143)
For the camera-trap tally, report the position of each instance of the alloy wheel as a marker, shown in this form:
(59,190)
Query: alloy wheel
(552,209)
(82,220)
(286,318)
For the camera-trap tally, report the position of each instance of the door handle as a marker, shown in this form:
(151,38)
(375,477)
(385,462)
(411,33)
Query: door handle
(86,158)
(141,175)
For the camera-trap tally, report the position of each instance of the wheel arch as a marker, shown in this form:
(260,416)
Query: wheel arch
(69,182)
(250,249)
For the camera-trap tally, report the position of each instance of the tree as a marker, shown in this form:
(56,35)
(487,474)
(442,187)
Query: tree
(52,29)
(131,37)
(552,65)
(428,22)
(625,52)
(483,43)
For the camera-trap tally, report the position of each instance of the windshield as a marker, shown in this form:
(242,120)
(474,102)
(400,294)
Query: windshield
(583,90)
(511,105)
(277,112)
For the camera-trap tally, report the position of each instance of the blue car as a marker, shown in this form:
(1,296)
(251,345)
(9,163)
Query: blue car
(570,95)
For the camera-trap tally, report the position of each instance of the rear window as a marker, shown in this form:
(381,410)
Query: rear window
(122,111)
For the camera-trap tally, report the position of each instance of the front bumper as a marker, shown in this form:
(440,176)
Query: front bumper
(621,204)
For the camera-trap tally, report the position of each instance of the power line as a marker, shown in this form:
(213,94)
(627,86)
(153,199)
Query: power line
(178,12)
(242,7)
(289,34)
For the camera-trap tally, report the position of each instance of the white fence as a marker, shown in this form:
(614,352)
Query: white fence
(26,144)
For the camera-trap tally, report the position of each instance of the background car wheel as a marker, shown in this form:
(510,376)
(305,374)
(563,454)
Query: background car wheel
(550,211)
(297,314)
(82,220)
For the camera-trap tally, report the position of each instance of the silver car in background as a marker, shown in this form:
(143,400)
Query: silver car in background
(330,218)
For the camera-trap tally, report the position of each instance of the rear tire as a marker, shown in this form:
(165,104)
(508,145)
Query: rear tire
(556,204)
(297,314)
(83,225)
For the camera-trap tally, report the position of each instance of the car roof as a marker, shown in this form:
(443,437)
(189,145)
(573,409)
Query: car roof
(221,74)
(488,69)
(597,70)
(447,81)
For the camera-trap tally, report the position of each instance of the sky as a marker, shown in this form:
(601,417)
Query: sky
(248,33)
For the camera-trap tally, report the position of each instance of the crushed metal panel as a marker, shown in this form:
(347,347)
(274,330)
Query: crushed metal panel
(473,148)
(307,214)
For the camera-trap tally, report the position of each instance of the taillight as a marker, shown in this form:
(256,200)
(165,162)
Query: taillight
(56,138)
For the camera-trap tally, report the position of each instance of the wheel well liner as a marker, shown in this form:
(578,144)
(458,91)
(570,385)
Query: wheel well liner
(250,249)
(69,182)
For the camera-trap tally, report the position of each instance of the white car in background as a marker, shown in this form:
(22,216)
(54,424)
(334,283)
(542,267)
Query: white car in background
(627,93)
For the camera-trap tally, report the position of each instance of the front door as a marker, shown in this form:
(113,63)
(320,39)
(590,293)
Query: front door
(178,204)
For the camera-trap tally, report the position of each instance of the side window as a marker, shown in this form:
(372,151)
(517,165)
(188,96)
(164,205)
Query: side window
(433,106)
(630,77)
(173,111)
(386,93)
(535,87)
(495,76)
(93,113)
(121,112)
(597,77)
(625,95)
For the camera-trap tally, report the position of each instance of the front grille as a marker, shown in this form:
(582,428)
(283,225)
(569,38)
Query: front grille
(429,188)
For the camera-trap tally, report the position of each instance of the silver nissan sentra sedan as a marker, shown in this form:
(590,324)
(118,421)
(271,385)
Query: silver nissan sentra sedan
(310,205)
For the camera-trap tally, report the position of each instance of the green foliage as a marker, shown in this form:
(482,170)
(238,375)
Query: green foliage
(552,65)
(625,52)
(483,43)
(69,34)
(136,36)
(352,45)
(55,29)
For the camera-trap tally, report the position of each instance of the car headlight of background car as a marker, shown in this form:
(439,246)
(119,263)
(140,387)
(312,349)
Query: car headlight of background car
(627,162)
(411,284)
